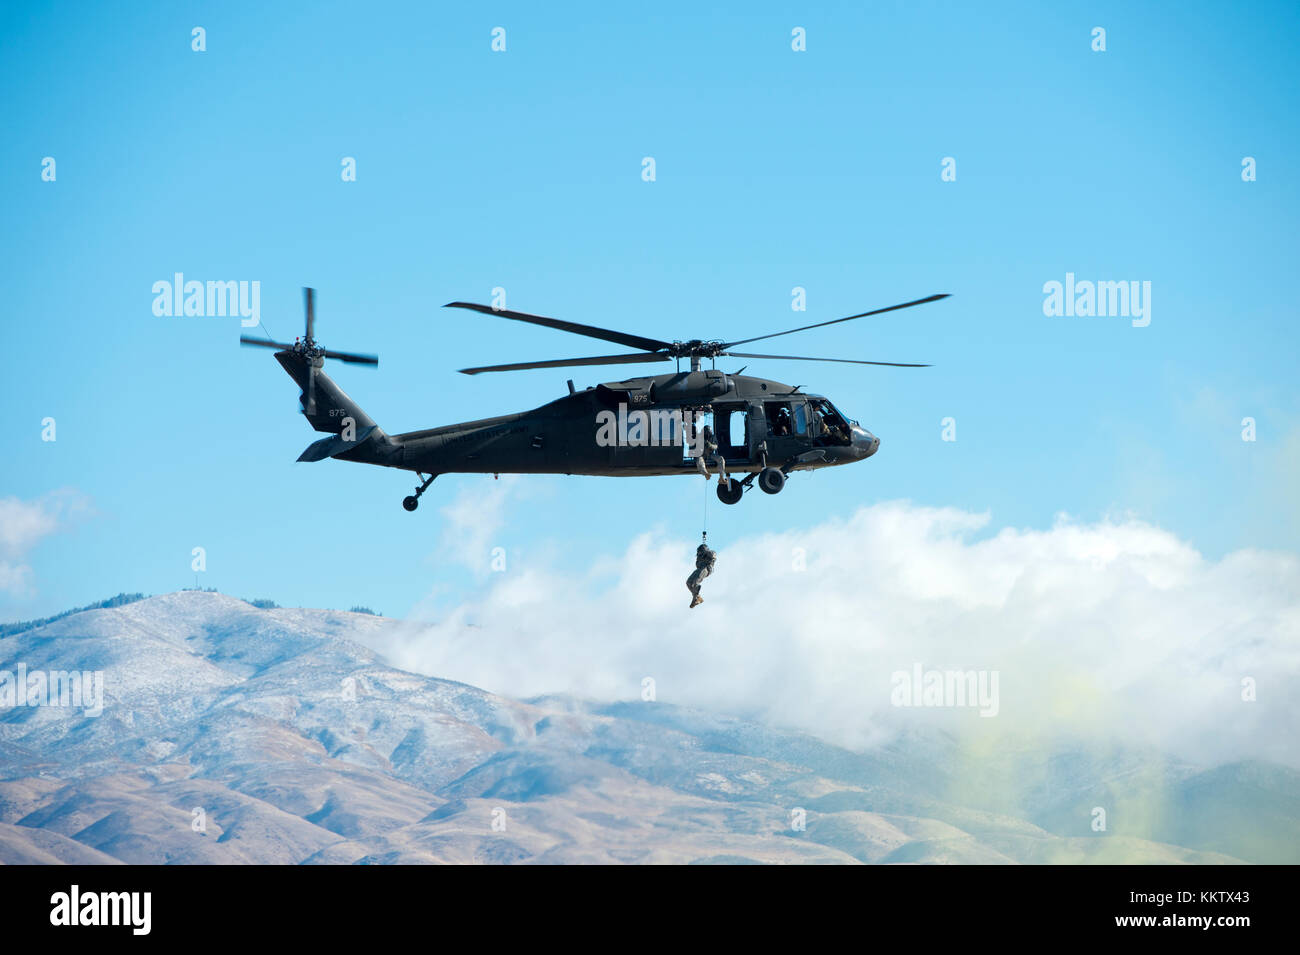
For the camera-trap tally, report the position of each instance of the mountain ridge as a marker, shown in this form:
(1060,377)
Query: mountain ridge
(236,734)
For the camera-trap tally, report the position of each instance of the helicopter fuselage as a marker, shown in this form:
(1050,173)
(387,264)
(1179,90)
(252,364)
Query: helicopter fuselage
(687,422)
(647,426)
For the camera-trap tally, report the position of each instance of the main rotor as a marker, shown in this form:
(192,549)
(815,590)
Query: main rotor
(653,349)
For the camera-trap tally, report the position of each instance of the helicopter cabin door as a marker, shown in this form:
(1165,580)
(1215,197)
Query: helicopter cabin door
(786,426)
(731,430)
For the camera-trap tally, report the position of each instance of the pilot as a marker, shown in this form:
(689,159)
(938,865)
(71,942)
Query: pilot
(704,561)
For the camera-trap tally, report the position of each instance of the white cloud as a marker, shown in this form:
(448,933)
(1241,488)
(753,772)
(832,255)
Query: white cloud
(23,524)
(472,520)
(1112,630)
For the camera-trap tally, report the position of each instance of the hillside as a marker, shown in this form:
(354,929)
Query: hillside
(300,745)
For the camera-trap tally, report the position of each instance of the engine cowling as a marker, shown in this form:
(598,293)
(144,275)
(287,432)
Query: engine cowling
(693,386)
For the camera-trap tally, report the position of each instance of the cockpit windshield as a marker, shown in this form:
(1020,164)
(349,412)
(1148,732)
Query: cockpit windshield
(834,427)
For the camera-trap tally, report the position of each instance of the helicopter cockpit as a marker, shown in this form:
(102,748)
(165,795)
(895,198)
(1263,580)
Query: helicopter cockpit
(834,427)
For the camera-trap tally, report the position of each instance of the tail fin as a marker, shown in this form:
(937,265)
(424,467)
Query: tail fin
(356,436)
(331,405)
(325,405)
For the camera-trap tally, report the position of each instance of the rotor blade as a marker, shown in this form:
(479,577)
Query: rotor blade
(834,321)
(311,313)
(591,331)
(353,357)
(264,342)
(847,361)
(309,408)
(563,362)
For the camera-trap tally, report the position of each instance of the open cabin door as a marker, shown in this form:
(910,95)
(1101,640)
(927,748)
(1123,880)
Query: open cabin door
(732,430)
(691,425)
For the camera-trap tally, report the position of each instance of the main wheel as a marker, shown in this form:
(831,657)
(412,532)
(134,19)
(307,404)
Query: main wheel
(730,494)
(410,502)
(771,480)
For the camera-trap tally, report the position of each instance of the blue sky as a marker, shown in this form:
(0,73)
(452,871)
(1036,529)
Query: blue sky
(521,169)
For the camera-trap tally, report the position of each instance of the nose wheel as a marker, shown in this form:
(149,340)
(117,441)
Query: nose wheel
(412,501)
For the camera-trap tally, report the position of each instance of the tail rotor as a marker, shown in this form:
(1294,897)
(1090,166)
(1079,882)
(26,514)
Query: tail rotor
(311,353)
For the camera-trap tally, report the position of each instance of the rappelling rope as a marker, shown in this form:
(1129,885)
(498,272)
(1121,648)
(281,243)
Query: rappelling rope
(706,508)
(706,494)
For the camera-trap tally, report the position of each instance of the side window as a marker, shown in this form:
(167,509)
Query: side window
(779,421)
(801,418)
(736,429)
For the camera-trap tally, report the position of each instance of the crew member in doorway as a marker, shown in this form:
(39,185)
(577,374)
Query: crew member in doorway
(709,452)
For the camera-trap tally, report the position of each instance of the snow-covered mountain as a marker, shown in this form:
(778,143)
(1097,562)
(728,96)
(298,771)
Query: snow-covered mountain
(232,734)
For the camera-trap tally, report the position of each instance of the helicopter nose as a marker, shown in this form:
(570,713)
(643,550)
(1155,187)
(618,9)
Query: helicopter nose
(865,442)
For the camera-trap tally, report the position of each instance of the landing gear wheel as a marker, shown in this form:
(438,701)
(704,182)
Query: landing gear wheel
(771,480)
(412,501)
(730,493)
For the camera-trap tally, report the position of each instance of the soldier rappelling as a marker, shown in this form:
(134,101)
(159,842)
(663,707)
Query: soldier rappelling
(704,561)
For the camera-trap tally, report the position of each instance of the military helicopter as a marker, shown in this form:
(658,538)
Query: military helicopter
(652,425)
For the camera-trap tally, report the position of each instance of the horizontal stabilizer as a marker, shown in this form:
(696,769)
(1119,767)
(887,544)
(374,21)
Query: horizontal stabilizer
(336,445)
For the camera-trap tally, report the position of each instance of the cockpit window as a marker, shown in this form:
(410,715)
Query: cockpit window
(834,429)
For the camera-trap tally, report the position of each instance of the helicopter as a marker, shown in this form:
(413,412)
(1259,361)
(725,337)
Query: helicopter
(646,426)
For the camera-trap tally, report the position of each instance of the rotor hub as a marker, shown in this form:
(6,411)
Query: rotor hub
(696,348)
(309,349)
